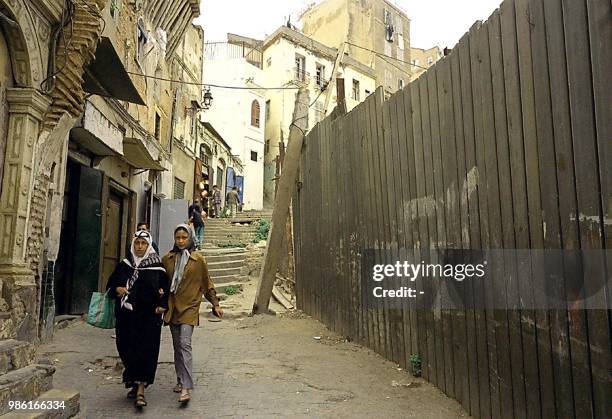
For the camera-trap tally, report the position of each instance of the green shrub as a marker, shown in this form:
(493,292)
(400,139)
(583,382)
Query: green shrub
(415,363)
(262,231)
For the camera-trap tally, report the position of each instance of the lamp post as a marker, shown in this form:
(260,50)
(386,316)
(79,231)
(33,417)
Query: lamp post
(208,99)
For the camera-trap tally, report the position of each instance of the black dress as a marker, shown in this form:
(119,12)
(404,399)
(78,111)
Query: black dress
(138,331)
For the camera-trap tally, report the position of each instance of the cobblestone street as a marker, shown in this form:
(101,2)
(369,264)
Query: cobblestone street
(259,367)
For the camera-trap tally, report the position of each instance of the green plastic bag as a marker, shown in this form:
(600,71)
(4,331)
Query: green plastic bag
(101,311)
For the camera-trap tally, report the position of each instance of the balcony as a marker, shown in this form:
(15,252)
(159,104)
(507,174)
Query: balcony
(301,77)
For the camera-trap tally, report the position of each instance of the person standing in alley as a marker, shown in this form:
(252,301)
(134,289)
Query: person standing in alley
(195,217)
(216,198)
(233,200)
(189,278)
(140,287)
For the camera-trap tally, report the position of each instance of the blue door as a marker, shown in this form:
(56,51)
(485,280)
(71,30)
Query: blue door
(231,180)
(240,186)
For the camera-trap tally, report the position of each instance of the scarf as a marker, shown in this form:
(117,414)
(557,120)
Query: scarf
(182,256)
(145,262)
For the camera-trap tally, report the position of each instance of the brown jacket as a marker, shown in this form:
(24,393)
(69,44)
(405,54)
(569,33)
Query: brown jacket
(184,306)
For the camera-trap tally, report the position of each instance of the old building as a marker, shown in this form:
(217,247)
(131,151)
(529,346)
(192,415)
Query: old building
(239,113)
(422,59)
(374,32)
(292,60)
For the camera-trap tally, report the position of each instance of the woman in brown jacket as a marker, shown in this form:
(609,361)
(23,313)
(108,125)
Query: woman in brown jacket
(189,279)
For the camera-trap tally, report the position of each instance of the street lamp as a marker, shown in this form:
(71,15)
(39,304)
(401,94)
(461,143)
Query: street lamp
(208,98)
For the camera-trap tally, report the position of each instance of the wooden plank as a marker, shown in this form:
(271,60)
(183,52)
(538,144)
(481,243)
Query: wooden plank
(600,29)
(466,341)
(466,51)
(380,170)
(586,161)
(328,298)
(410,209)
(422,314)
(440,120)
(438,214)
(397,317)
(476,72)
(567,342)
(406,241)
(429,285)
(456,354)
(378,219)
(547,329)
(336,230)
(497,294)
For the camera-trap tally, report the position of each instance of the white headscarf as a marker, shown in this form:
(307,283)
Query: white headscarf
(142,234)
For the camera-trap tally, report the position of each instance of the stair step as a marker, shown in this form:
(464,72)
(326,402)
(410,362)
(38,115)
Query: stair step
(15,354)
(24,384)
(219,272)
(224,280)
(213,265)
(71,403)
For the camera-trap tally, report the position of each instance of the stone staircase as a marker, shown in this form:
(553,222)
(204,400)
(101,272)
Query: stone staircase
(21,379)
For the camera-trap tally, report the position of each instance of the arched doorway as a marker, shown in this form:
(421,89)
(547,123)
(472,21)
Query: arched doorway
(6,81)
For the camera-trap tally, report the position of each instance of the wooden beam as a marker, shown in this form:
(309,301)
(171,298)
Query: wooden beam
(286,185)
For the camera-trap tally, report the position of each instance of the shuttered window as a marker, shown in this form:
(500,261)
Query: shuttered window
(179,189)
(255,110)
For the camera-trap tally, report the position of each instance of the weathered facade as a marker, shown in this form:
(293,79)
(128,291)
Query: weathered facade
(292,60)
(421,59)
(378,29)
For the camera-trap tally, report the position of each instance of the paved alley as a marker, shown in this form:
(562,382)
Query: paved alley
(256,367)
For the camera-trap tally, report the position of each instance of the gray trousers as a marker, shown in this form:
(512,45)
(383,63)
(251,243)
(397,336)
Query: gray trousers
(183,360)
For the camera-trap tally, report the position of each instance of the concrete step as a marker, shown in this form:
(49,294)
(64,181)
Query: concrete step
(221,272)
(69,399)
(225,259)
(24,384)
(239,263)
(224,280)
(15,354)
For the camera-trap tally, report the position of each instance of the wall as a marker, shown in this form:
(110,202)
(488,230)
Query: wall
(230,114)
(360,22)
(421,57)
(503,144)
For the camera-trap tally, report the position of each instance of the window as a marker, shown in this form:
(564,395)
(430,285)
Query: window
(269,62)
(300,67)
(253,155)
(400,41)
(400,84)
(267,110)
(267,147)
(157,127)
(429,60)
(356,90)
(389,30)
(179,189)
(141,41)
(255,114)
(320,77)
(400,54)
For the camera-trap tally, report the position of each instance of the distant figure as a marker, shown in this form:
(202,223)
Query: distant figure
(233,200)
(216,197)
(142,226)
(195,217)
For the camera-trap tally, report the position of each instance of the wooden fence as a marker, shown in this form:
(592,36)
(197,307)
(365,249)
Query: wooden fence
(503,144)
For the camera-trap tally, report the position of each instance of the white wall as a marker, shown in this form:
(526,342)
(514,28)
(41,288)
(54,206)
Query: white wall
(230,115)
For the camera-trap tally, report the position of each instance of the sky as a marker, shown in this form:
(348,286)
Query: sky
(433,22)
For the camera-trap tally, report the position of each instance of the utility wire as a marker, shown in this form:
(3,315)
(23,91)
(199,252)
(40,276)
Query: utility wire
(384,55)
(209,84)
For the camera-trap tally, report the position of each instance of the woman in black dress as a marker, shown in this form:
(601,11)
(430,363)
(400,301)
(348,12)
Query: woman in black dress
(141,290)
